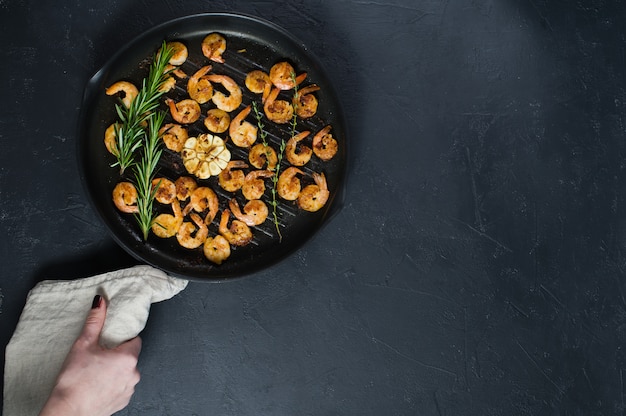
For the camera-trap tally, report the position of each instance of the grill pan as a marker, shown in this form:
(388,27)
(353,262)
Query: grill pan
(252,43)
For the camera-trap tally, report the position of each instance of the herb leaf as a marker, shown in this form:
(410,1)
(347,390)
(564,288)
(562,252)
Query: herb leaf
(145,172)
(130,132)
(280,154)
(263,134)
(138,132)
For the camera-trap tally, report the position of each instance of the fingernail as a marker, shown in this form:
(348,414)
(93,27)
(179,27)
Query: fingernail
(97,300)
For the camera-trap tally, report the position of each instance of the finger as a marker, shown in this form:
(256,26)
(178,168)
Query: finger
(95,320)
(131,347)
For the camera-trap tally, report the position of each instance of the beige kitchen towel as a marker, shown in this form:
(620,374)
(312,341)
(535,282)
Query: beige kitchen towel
(54,316)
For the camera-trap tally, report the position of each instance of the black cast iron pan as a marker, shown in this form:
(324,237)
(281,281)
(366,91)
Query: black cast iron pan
(252,43)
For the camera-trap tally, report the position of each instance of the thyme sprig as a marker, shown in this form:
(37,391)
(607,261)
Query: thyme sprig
(294,120)
(281,152)
(259,123)
(274,203)
(130,131)
(263,135)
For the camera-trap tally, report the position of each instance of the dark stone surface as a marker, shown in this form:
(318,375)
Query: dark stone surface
(478,266)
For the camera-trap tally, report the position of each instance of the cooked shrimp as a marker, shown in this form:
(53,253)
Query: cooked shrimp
(282,76)
(260,154)
(192,235)
(259,82)
(110,139)
(167,85)
(324,144)
(125,87)
(305,102)
(185,185)
(213,46)
(253,185)
(216,249)
(174,136)
(225,102)
(314,196)
(176,71)
(302,157)
(125,197)
(238,234)
(217,121)
(166,225)
(201,199)
(184,112)
(179,53)
(278,111)
(199,87)
(166,191)
(242,132)
(288,185)
(254,212)
(231,178)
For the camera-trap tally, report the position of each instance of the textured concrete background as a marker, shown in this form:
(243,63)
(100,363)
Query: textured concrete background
(478,266)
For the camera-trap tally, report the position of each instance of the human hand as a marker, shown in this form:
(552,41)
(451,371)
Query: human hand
(93,380)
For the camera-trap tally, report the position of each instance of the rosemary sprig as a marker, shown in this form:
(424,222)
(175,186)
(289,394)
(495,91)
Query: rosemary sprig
(145,172)
(130,131)
(128,140)
(138,128)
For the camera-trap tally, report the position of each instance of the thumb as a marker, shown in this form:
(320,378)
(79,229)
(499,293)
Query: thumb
(95,320)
